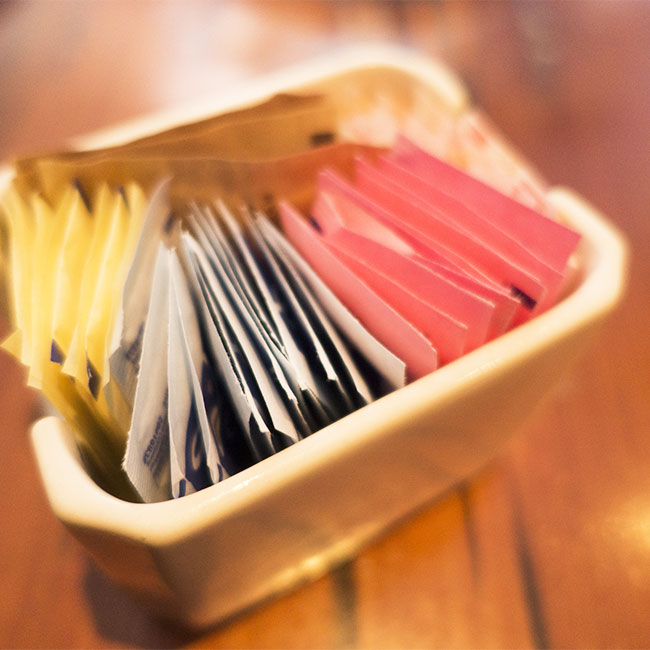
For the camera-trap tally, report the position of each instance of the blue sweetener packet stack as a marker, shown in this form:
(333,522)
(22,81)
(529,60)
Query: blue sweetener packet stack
(244,352)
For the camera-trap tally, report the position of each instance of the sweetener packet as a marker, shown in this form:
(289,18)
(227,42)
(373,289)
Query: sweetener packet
(547,239)
(147,457)
(125,347)
(390,369)
(101,306)
(348,371)
(21,229)
(447,335)
(298,325)
(244,395)
(220,396)
(288,352)
(108,222)
(244,271)
(279,430)
(189,464)
(74,251)
(414,211)
(220,254)
(474,222)
(353,231)
(46,247)
(381,320)
(209,402)
(411,244)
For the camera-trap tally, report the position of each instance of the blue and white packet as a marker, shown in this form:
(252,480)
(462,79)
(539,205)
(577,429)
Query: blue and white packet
(329,387)
(232,247)
(256,383)
(210,399)
(126,345)
(390,368)
(294,358)
(349,373)
(146,461)
(279,371)
(190,464)
(255,432)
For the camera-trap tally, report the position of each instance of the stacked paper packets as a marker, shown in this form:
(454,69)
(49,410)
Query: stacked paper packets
(205,342)
(245,352)
(202,347)
(68,265)
(437,262)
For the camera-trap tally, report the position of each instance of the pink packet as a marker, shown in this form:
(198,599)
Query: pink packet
(330,181)
(505,306)
(428,221)
(357,234)
(474,222)
(381,320)
(429,252)
(444,333)
(548,240)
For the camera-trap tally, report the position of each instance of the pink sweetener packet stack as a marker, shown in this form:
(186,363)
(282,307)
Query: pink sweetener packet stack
(431,260)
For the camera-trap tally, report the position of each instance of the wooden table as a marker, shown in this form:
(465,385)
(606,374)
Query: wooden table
(548,546)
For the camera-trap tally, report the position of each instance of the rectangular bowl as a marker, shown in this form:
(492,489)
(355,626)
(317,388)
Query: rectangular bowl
(291,517)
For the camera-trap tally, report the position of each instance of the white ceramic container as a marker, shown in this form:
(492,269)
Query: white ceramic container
(293,516)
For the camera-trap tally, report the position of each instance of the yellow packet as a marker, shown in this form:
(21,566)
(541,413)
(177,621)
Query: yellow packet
(103,220)
(103,303)
(69,274)
(101,443)
(5,309)
(20,221)
(47,249)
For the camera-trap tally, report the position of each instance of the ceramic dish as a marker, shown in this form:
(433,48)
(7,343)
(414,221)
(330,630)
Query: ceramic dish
(294,515)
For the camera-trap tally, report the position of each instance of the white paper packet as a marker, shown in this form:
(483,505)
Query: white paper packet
(146,461)
(252,371)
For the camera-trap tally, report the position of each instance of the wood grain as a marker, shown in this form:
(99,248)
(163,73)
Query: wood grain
(547,547)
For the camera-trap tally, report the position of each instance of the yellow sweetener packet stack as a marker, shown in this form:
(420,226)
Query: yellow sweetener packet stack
(68,263)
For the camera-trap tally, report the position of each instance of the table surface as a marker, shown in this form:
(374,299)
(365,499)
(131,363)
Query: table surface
(549,545)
